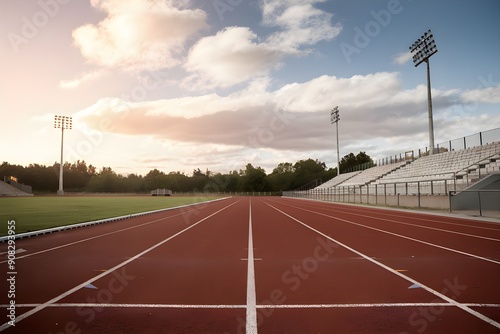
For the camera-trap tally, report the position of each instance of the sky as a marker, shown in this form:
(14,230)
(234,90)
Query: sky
(179,85)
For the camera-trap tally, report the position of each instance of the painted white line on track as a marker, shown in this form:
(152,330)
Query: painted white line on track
(421,226)
(18,251)
(414,215)
(409,279)
(371,305)
(98,236)
(251,314)
(263,306)
(95,278)
(398,235)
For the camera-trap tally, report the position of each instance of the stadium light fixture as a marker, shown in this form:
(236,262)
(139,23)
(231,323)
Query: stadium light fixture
(62,122)
(422,50)
(335,118)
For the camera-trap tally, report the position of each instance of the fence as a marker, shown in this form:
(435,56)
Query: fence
(419,194)
(477,139)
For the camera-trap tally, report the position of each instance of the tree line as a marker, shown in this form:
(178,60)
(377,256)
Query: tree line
(80,177)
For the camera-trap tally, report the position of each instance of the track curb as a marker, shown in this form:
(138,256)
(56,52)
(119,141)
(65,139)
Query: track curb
(97,222)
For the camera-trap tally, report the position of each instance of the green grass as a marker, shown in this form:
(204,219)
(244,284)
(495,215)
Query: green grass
(36,213)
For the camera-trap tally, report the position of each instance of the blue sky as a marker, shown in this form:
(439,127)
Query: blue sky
(214,84)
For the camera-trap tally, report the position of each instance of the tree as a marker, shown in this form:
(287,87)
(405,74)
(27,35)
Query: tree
(282,177)
(306,171)
(199,180)
(352,161)
(255,179)
(105,181)
(154,180)
(283,167)
(76,175)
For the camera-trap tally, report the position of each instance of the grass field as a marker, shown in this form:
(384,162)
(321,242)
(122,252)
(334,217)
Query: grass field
(36,213)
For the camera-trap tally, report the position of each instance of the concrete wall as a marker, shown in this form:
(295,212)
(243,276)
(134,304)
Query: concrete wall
(484,195)
(409,201)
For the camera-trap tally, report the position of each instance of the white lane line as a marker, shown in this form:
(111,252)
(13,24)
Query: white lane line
(399,235)
(18,251)
(251,315)
(421,226)
(371,305)
(99,236)
(118,266)
(270,306)
(413,215)
(397,273)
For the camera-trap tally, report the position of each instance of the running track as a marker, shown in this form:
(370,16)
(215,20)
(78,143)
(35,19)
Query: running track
(261,265)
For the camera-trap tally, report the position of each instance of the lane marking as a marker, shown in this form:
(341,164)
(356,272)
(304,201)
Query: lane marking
(18,251)
(270,306)
(469,221)
(409,279)
(118,266)
(100,236)
(397,235)
(422,226)
(251,314)
(412,215)
(369,305)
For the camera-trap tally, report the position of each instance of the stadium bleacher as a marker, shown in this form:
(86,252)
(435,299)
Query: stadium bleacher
(446,165)
(472,163)
(373,174)
(339,179)
(8,190)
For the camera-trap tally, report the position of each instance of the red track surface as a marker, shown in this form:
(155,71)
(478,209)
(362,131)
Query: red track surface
(318,268)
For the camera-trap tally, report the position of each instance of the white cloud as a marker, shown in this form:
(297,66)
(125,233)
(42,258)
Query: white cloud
(89,76)
(138,34)
(301,23)
(402,58)
(489,95)
(295,117)
(236,54)
(265,126)
(232,56)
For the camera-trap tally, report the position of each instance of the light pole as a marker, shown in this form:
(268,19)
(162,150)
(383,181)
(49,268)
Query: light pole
(335,118)
(422,50)
(62,122)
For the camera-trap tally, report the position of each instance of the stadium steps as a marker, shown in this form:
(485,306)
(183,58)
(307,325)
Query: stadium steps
(474,163)
(9,191)
(337,180)
(372,174)
(445,166)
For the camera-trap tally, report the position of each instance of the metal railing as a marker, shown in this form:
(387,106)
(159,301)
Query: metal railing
(415,194)
(477,139)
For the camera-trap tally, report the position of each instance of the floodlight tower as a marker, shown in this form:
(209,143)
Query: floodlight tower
(335,118)
(422,50)
(62,122)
